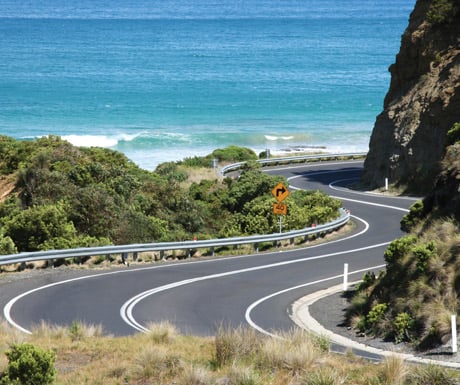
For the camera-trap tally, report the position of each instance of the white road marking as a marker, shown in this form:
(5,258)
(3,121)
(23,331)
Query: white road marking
(127,308)
(348,199)
(258,302)
(8,307)
(126,311)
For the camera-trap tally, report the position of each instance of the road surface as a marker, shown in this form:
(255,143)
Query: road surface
(197,296)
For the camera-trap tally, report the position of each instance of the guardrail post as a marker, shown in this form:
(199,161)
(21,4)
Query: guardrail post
(256,247)
(49,263)
(135,256)
(162,255)
(212,251)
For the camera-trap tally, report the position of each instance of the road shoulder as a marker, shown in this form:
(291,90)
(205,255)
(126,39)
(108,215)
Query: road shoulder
(322,313)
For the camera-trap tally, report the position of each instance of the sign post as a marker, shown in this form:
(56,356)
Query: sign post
(280,192)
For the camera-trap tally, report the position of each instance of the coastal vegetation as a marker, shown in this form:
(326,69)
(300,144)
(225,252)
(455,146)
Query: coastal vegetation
(82,354)
(442,11)
(57,196)
(413,299)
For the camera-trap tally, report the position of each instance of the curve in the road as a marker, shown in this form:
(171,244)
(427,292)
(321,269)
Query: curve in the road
(231,285)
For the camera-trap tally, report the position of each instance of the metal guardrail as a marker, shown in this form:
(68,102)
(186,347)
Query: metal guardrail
(124,250)
(292,159)
(169,246)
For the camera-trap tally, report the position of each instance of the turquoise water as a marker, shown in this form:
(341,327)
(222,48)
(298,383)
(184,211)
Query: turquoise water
(162,80)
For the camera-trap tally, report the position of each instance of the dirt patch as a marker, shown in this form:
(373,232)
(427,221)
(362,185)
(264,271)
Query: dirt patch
(7,186)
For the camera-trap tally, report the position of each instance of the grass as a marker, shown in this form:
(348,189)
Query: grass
(248,358)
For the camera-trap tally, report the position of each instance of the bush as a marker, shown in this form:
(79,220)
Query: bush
(29,365)
(423,253)
(403,324)
(368,280)
(453,135)
(441,11)
(398,249)
(376,315)
(416,212)
(234,154)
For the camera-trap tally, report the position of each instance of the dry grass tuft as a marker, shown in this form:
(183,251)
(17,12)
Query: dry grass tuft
(432,375)
(46,330)
(298,359)
(156,363)
(163,332)
(297,351)
(244,375)
(80,331)
(394,371)
(235,344)
(196,375)
(324,376)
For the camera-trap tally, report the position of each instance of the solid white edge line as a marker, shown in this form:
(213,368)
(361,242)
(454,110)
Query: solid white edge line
(126,311)
(360,201)
(8,307)
(258,302)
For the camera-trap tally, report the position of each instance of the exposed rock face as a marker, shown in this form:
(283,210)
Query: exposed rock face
(409,137)
(445,197)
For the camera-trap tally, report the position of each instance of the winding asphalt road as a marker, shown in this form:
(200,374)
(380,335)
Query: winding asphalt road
(197,296)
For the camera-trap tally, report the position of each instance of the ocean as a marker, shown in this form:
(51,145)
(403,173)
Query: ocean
(161,80)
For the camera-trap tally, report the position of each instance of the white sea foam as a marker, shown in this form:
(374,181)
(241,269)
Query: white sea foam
(105,141)
(91,140)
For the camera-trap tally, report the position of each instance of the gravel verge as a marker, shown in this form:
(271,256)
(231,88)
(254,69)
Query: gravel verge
(323,313)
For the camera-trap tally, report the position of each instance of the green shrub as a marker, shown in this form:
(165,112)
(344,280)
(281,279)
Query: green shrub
(29,365)
(413,217)
(376,314)
(7,245)
(441,11)
(234,154)
(423,253)
(453,135)
(368,280)
(402,325)
(398,249)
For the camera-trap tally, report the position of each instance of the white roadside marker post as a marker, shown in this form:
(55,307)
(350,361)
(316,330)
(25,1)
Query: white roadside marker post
(345,277)
(454,333)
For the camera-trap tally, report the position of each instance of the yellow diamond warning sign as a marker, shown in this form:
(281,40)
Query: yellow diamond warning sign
(280,192)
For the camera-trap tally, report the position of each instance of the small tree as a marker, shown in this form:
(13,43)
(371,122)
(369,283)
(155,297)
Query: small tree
(29,365)
(7,245)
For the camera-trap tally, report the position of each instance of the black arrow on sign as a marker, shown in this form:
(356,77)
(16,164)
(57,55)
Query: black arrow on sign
(280,191)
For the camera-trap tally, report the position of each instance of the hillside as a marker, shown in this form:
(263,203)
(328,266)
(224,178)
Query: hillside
(416,144)
(54,195)
(409,138)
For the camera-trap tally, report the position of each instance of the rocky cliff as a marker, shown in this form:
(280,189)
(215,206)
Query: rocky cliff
(409,138)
